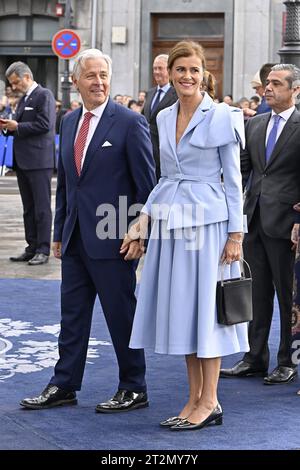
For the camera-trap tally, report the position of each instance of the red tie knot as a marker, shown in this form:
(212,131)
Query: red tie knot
(88,116)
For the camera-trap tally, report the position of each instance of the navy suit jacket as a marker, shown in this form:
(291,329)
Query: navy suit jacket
(275,184)
(124,166)
(169,98)
(34,139)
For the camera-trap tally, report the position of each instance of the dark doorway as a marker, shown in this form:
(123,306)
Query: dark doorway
(206,29)
(44,69)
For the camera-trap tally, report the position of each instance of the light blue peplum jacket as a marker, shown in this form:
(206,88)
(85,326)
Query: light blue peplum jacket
(190,192)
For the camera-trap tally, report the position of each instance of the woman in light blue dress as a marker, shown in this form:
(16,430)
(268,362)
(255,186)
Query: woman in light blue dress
(196,225)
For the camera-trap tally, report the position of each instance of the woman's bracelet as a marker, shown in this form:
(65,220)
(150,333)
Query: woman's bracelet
(239,242)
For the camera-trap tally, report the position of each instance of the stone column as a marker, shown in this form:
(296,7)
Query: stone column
(251,43)
(290,52)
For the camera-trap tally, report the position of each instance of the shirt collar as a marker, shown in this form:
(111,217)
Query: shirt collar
(164,88)
(30,90)
(286,114)
(97,111)
(206,103)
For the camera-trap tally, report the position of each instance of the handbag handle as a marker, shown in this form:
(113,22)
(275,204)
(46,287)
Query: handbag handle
(244,262)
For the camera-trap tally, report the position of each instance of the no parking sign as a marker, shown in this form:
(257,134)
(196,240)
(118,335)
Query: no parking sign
(66,43)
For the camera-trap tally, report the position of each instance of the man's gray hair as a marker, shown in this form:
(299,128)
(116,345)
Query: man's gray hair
(18,68)
(293,78)
(162,56)
(90,54)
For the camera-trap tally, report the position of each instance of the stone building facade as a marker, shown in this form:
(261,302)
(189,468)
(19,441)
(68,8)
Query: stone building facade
(238,36)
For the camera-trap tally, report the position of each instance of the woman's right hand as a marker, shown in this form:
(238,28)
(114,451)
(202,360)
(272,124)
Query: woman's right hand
(137,231)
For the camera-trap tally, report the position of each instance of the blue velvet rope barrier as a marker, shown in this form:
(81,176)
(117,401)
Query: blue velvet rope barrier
(6,151)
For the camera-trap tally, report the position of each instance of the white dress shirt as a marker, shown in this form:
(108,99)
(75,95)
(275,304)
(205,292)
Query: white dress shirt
(164,90)
(93,124)
(285,115)
(30,90)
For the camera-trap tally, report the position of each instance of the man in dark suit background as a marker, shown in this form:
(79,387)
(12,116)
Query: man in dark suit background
(272,156)
(158,98)
(34,149)
(105,156)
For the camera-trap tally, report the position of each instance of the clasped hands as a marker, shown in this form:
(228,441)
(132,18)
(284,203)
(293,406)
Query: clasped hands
(133,243)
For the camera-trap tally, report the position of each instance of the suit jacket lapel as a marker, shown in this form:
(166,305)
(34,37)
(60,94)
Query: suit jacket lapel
(23,103)
(70,131)
(32,95)
(200,114)
(147,108)
(105,123)
(166,99)
(170,122)
(261,131)
(20,108)
(289,128)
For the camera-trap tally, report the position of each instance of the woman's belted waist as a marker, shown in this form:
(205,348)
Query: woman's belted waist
(187,205)
(194,178)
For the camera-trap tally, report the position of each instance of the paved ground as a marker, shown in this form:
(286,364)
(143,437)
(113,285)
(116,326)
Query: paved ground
(12,235)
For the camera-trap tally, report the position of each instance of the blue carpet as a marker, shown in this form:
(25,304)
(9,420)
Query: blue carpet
(255,416)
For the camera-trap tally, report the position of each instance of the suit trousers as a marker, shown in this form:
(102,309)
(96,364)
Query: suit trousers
(114,281)
(271,261)
(35,190)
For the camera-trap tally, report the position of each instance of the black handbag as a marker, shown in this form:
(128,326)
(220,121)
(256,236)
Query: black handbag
(234,299)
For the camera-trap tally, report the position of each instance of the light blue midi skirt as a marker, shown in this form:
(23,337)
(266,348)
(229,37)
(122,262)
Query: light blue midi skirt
(176,307)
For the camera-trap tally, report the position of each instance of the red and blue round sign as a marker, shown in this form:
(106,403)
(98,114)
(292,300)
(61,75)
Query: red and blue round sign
(66,43)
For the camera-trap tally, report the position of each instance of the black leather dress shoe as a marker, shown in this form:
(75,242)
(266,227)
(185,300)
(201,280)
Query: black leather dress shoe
(281,375)
(50,397)
(167,423)
(124,400)
(216,416)
(39,258)
(23,257)
(243,369)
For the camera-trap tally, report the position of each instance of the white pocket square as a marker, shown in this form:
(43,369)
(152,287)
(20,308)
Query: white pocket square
(28,108)
(107,144)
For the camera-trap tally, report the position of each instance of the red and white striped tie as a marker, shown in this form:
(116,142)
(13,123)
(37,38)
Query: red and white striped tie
(81,141)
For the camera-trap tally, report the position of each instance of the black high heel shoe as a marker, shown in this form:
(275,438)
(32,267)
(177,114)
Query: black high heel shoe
(171,421)
(216,416)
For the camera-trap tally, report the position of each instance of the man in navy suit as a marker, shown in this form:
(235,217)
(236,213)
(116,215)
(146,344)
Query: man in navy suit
(34,151)
(158,98)
(105,157)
